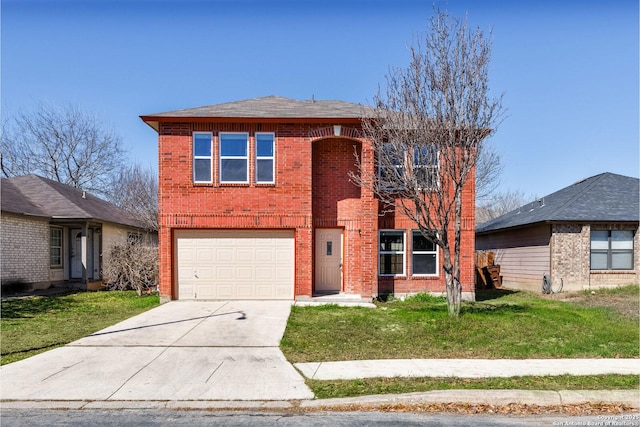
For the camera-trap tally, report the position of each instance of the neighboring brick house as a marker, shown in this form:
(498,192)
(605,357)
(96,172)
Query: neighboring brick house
(585,235)
(54,234)
(256,203)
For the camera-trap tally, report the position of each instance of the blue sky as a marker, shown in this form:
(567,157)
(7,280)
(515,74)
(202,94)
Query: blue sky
(568,69)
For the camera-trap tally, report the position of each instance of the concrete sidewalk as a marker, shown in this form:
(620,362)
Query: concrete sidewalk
(465,368)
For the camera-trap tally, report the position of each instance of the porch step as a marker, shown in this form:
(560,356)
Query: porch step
(344,300)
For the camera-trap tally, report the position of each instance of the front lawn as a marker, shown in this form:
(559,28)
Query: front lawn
(502,324)
(31,325)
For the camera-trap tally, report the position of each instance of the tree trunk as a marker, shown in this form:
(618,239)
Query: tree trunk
(454,290)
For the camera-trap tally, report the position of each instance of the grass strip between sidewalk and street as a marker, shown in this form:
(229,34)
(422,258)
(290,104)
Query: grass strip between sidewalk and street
(34,324)
(371,386)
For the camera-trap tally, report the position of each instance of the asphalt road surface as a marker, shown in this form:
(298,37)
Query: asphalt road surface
(165,417)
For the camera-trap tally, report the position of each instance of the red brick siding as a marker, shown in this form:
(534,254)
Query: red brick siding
(312,190)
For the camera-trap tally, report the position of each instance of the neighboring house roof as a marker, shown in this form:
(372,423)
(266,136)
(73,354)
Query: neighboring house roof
(268,107)
(38,196)
(604,197)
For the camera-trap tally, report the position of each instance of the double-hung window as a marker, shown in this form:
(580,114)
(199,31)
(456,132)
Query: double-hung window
(611,250)
(202,157)
(234,158)
(391,252)
(425,166)
(390,168)
(265,159)
(425,255)
(55,247)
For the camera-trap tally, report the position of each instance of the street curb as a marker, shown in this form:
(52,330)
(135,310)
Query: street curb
(630,398)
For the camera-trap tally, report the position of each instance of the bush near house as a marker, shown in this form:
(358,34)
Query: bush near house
(132,264)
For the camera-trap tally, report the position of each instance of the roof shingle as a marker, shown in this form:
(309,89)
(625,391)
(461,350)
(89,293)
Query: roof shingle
(38,196)
(604,197)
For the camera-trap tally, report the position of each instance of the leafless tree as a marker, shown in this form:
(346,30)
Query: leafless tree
(499,204)
(132,263)
(427,130)
(488,170)
(65,144)
(135,189)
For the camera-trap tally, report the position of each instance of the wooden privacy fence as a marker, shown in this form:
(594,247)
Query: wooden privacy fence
(487,273)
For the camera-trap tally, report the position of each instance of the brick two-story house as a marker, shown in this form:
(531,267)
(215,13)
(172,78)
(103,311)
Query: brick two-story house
(256,203)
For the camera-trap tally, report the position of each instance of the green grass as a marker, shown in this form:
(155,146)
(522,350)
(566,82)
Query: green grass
(502,324)
(32,325)
(333,389)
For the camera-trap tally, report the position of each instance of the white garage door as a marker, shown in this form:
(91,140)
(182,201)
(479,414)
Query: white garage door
(235,264)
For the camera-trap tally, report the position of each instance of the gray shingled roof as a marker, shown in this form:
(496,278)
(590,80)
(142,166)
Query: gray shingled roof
(38,196)
(604,197)
(271,107)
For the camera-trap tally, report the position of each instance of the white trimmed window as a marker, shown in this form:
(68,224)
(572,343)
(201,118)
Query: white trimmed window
(234,158)
(202,157)
(55,247)
(391,252)
(390,168)
(611,250)
(265,158)
(425,166)
(424,255)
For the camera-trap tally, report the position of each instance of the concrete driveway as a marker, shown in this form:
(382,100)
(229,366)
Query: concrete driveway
(219,350)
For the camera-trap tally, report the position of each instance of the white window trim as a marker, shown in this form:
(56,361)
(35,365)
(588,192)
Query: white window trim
(381,167)
(210,158)
(272,158)
(403,252)
(433,167)
(609,251)
(61,247)
(414,252)
(221,157)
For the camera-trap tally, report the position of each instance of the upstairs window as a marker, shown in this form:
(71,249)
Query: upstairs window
(202,157)
(234,159)
(425,166)
(611,250)
(265,159)
(390,168)
(425,256)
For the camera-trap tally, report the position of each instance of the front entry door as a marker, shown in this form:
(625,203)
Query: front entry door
(328,275)
(76,254)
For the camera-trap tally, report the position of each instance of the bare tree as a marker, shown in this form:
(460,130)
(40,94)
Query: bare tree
(427,131)
(135,189)
(64,144)
(488,170)
(499,204)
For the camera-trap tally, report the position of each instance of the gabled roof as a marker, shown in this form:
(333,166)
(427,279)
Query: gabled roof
(604,197)
(268,107)
(38,196)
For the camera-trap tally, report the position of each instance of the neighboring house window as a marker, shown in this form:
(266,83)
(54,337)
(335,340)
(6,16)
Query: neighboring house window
(55,247)
(265,160)
(425,256)
(202,157)
(425,166)
(134,238)
(612,250)
(391,252)
(234,159)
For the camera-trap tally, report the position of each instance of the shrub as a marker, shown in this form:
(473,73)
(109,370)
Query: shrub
(131,264)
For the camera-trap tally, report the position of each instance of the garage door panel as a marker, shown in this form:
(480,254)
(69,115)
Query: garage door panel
(235,264)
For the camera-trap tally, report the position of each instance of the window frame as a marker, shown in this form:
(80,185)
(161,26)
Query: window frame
(200,157)
(414,253)
(272,157)
(400,165)
(391,252)
(223,157)
(610,251)
(59,247)
(432,167)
